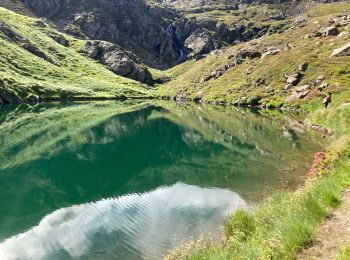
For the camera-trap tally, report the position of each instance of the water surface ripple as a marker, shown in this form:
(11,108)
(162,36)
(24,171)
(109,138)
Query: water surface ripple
(131,180)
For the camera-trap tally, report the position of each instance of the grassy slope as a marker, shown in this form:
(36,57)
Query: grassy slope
(23,74)
(250,15)
(233,84)
(284,224)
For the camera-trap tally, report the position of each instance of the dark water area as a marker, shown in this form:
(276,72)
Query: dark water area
(126,180)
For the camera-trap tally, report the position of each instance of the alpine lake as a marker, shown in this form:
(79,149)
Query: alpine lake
(134,179)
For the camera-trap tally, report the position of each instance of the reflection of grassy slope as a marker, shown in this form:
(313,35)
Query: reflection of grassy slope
(287,222)
(23,74)
(222,125)
(48,127)
(234,83)
(147,153)
(256,148)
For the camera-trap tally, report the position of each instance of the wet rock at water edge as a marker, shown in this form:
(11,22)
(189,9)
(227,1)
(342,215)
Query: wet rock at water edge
(255,101)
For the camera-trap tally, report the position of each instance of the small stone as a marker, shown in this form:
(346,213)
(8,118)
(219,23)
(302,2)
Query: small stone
(323,85)
(321,78)
(302,88)
(288,87)
(303,67)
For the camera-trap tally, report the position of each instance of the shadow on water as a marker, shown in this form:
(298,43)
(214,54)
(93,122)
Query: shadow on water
(127,173)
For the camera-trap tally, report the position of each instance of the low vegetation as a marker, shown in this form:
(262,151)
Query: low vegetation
(285,223)
(344,254)
(288,221)
(57,71)
(265,78)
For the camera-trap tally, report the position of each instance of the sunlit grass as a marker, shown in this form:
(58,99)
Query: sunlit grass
(23,74)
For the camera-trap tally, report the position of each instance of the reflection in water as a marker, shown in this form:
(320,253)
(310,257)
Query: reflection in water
(145,225)
(53,157)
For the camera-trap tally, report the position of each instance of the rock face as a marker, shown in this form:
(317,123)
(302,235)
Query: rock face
(60,39)
(45,8)
(342,51)
(118,60)
(293,79)
(200,42)
(155,30)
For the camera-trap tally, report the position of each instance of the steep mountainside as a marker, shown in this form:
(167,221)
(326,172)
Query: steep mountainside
(301,64)
(38,62)
(163,33)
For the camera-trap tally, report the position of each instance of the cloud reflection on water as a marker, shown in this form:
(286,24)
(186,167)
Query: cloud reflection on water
(143,225)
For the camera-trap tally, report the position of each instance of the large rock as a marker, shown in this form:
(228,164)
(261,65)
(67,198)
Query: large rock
(60,39)
(342,51)
(330,31)
(293,79)
(270,52)
(118,60)
(200,42)
(297,95)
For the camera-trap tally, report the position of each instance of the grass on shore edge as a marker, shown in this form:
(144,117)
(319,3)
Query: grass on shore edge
(283,224)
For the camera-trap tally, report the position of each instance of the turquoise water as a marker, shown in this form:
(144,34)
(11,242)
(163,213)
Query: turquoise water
(126,180)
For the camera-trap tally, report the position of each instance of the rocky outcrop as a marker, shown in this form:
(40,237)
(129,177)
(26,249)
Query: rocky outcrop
(270,52)
(342,51)
(234,60)
(329,31)
(293,79)
(60,39)
(157,33)
(300,93)
(47,8)
(118,60)
(200,42)
(12,35)
(132,24)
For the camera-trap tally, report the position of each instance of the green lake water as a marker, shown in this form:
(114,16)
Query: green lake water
(131,180)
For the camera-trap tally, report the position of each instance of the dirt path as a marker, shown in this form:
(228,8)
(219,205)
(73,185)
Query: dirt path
(333,234)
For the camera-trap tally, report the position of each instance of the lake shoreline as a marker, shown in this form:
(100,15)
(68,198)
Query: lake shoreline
(306,122)
(301,212)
